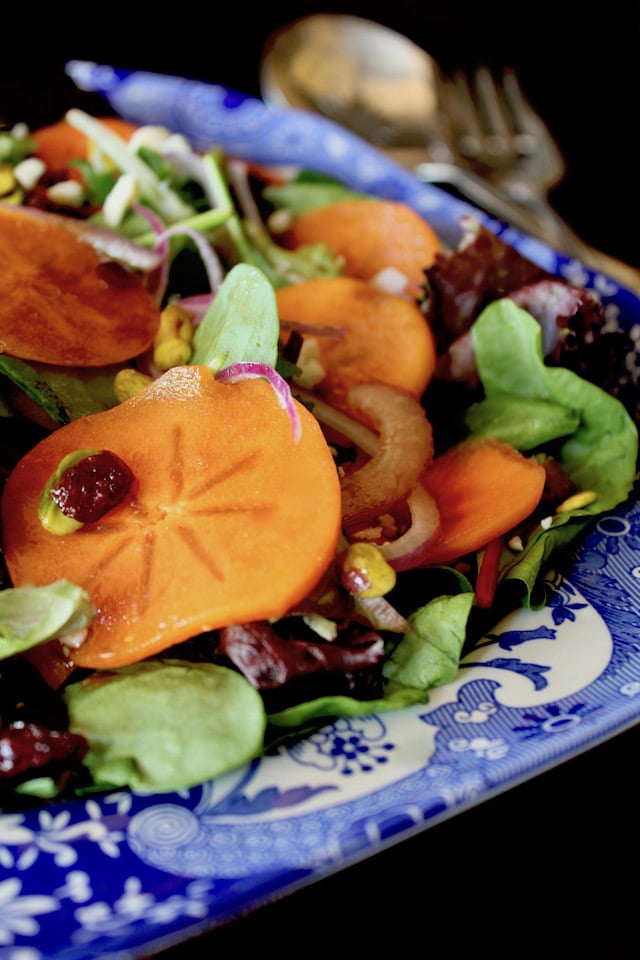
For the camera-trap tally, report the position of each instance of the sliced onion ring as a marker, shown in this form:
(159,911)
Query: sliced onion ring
(248,370)
(407,550)
(405,448)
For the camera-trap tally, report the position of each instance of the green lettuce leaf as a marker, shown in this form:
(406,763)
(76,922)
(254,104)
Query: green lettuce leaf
(524,422)
(242,322)
(600,453)
(162,725)
(428,656)
(64,393)
(33,615)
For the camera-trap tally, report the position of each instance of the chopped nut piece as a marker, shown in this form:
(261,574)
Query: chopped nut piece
(29,171)
(129,382)
(576,501)
(365,572)
(68,193)
(173,342)
(171,353)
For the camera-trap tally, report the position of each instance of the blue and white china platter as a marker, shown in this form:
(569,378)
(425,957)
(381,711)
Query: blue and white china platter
(127,874)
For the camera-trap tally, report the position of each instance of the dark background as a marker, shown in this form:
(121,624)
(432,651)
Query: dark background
(549,869)
(582,69)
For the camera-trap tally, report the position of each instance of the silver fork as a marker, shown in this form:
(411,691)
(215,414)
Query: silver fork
(494,130)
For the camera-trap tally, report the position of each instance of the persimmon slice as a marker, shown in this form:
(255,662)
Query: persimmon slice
(58,143)
(383,336)
(371,235)
(482,488)
(62,303)
(229,519)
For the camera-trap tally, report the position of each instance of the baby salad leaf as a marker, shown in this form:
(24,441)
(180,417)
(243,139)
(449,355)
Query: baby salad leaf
(64,393)
(306,192)
(161,725)
(428,656)
(340,705)
(523,422)
(601,453)
(31,615)
(242,322)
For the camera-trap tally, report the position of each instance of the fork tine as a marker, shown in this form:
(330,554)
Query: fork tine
(460,111)
(532,136)
(494,130)
(479,123)
(498,138)
(525,120)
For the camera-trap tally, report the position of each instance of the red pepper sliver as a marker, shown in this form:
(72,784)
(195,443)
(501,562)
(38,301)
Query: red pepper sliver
(488,573)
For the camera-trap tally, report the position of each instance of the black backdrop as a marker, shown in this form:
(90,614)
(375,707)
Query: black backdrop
(580,67)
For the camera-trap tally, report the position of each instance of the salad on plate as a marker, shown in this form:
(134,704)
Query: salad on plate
(274,453)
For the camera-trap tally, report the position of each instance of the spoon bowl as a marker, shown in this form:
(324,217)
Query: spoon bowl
(360,74)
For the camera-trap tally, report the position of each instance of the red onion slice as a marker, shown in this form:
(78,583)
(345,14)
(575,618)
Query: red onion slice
(208,255)
(250,369)
(113,245)
(406,551)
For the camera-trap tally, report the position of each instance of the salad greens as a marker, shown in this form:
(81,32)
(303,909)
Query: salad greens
(192,713)
(600,444)
(528,403)
(134,739)
(241,323)
(32,615)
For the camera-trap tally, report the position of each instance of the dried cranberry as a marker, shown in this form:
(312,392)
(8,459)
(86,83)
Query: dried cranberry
(354,581)
(92,487)
(25,746)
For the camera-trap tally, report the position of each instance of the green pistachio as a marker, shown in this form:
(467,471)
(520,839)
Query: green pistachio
(49,513)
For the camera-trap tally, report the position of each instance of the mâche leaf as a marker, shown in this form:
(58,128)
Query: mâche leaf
(166,724)
(241,324)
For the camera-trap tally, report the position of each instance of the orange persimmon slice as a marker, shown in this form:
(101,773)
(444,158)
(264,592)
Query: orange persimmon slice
(62,302)
(58,143)
(229,519)
(483,488)
(371,235)
(381,336)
